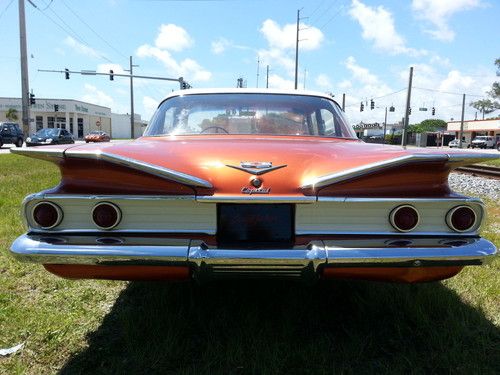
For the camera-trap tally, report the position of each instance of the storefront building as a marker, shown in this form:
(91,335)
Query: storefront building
(474,128)
(79,118)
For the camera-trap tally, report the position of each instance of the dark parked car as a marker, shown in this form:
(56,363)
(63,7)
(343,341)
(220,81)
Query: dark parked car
(50,136)
(11,133)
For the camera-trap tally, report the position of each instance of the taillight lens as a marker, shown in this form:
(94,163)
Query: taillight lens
(461,218)
(106,215)
(47,215)
(404,218)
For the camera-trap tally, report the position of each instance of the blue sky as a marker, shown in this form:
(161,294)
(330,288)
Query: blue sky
(363,48)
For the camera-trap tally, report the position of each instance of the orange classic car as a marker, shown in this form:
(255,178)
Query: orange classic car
(97,136)
(234,183)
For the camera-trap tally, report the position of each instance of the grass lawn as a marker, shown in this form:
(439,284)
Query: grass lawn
(82,327)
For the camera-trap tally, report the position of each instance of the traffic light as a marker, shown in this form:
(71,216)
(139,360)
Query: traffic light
(361,107)
(185,85)
(372,104)
(392,109)
(409,110)
(56,107)
(111,75)
(433,111)
(66,73)
(32,99)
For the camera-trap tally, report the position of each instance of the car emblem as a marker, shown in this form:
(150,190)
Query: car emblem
(256,167)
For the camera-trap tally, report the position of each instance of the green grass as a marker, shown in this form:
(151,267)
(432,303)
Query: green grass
(495,163)
(82,327)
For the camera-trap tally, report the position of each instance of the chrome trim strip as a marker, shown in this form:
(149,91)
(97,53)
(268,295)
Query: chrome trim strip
(43,195)
(256,171)
(40,152)
(141,166)
(459,157)
(87,250)
(255,199)
(348,174)
(397,200)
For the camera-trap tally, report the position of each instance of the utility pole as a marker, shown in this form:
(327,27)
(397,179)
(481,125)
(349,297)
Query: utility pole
(24,70)
(297,49)
(385,124)
(258,68)
(407,112)
(462,123)
(131,97)
(267,77)
(343,102)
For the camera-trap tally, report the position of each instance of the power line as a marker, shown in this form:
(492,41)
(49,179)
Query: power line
(91,29)
(326,11)
(447,92)
(316,9)
(66,31)
(333,17)
(5,9)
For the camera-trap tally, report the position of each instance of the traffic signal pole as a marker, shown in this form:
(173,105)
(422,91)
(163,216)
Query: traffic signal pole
(24,70)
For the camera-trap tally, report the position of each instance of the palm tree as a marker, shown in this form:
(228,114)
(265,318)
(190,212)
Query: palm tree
(11,114)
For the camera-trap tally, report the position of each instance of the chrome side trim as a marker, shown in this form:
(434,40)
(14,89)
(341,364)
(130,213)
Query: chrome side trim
(471,158)
(40,152)
(141,166)
(397,200)
(348,174)
(352,252)
(255,199)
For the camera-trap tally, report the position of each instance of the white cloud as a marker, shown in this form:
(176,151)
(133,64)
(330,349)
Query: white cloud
(285,37)
(360,73)
(278,82)
(324,82)
(81,48)
(149,105)
(277,58)
(105,68)
(174,38)
(96,96)
(220,45)
(187,68)
(378,26)
(438,14)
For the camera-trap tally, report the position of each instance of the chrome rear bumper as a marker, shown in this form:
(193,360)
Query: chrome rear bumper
(293,261)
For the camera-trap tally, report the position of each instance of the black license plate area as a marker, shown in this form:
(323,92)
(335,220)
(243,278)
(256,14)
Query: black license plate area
(255,225)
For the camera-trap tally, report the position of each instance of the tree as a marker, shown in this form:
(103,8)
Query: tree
(486,106)
(429,125)
(11,114)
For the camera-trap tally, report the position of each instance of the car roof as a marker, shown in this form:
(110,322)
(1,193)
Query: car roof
(248,91)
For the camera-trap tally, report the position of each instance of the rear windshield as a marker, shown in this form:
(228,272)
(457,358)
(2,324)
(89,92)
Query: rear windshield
(241,113)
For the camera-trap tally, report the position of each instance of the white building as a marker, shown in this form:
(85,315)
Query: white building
(120,125)
(79,118)
(473,128)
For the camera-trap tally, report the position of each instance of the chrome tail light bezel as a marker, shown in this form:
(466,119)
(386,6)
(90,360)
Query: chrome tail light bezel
(118,215)
(394,212)
(449,219)
(59,212)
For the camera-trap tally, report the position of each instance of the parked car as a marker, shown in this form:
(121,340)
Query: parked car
(50,136)
(252,183)
(97,136)
(483,141)
(10,132)
(455,143)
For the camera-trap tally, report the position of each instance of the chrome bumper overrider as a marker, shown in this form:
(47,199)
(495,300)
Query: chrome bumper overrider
(293,261)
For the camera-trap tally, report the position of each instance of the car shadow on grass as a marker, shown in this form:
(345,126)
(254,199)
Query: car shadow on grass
(282,327)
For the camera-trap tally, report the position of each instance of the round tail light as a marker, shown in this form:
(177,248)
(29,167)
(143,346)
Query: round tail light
(404,218)
(47,215)
(461,218)
(106,215)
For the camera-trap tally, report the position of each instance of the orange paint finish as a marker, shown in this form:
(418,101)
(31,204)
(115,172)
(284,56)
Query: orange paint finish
(392,274)
(428,179)
(74,271)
